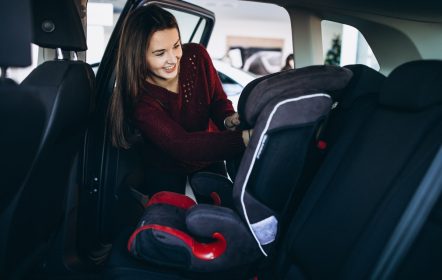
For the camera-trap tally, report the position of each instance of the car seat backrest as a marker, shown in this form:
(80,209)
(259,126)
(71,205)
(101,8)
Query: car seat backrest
(285,111)
(65,88)
(365,81)
(367,179)
(22,119)
(18,108)
(22,115)
(352,105)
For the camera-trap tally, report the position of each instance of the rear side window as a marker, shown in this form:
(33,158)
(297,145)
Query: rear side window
(343,44)
(102,15)
(191,26)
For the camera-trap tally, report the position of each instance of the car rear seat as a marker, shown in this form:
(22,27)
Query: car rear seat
(281,92)
(352,107)
(336,233)
(367,179)
(365,183)
(365,80)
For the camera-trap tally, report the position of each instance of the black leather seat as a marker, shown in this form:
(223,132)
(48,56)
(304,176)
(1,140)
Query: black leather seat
(366,181)
(18,106)
(65,88)
(353,104)
(22,116)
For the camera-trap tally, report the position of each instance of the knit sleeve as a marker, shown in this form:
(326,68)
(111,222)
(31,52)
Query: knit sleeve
(156,125)
(220,106)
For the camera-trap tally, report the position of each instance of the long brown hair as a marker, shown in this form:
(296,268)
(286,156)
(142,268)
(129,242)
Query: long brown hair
(131,67)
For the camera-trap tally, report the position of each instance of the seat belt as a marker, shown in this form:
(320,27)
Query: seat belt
(412,221)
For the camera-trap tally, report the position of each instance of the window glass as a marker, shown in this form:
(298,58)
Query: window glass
(199,32)
(101,19)
(191,26)
(255,37)
(249,39)
(344,44)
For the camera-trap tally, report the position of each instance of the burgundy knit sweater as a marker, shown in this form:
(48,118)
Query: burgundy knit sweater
(178,128)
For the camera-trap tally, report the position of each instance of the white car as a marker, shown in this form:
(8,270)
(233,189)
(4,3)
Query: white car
(233,80)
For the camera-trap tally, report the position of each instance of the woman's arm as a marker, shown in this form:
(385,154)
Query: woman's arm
(156,125)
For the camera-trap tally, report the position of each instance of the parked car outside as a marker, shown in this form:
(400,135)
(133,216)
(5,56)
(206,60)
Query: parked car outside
(233,80)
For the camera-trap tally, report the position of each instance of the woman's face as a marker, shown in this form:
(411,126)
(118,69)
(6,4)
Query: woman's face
(164,53)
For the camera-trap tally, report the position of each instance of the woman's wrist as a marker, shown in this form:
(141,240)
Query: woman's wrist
(232,121)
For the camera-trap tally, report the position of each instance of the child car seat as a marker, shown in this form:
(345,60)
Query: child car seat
(285,112)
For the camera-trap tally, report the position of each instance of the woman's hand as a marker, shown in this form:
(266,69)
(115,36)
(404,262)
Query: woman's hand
(246,135)
(232,121)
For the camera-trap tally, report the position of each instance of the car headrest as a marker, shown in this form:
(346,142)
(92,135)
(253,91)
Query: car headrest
(365,80)
(15,33)
(414,85)
(57,24)
(288,84)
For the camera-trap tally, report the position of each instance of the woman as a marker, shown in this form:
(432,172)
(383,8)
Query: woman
(289,63)
(171,93)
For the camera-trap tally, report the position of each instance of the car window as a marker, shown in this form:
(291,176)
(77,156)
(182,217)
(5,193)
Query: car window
(191,26)
(102,17)
(344,45)
(255,37)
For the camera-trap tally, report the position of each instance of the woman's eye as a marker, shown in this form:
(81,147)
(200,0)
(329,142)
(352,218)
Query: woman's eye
(159,54)
(176,46)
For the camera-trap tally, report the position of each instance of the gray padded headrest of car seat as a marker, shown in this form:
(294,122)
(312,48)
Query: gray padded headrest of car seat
(414,85)
(292,83)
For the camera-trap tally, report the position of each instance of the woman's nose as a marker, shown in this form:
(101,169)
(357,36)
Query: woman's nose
(171,57)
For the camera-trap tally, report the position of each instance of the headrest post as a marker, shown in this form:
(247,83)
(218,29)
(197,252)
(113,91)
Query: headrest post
(74,56)
(58,54)
(3,75)
(66,55)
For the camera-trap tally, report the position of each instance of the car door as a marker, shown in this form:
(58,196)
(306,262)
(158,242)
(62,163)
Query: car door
(108,174)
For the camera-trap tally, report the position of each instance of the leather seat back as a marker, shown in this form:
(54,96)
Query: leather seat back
(65,88)
(366,181)
(22,116)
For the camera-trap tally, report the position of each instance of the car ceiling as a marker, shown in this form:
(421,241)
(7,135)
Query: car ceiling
(419,10)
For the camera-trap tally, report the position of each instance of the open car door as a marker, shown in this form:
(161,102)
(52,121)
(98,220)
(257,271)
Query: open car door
(108,175)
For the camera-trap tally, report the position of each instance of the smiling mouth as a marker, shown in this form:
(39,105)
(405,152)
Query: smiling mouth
(170,69)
